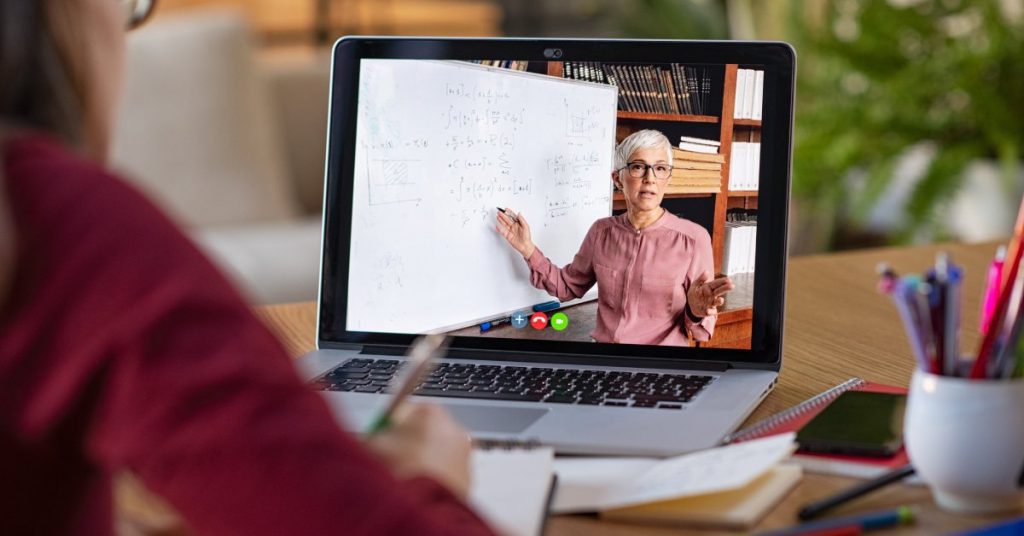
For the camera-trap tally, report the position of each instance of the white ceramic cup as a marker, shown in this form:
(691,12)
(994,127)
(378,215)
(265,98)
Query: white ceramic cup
(965,438)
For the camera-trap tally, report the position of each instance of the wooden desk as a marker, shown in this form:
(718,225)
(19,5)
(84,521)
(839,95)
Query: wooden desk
(837,326)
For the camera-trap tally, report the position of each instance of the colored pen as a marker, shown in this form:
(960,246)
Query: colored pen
(1003,358)
(421,358)
(815,509)
(906,303)
(887,278)
(948,277)
(1013,254)
(995,278)
(509,214)
(918,291)
(903,515)
(495,323)
(546,306)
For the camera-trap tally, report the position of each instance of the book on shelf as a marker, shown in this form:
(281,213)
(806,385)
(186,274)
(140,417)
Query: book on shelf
(749,94)
(681,154)
(758,95)
(693,164)
(514,65)
(672,189)
(698,147)
(745,165)
(740,242)
(660,89)
(696,174)
(702,141)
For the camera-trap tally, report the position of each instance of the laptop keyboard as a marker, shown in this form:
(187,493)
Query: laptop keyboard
(524,384)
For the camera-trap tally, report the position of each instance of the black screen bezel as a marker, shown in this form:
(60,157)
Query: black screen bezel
(779,62)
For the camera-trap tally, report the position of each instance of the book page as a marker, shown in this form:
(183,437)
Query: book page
(702,472)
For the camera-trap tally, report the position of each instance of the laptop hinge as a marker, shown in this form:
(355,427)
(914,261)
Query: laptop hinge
(555,359)
(378,349)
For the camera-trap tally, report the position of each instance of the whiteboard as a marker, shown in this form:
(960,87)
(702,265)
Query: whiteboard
(440,145)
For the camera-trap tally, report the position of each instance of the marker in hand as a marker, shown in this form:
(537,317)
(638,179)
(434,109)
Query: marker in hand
(510,215)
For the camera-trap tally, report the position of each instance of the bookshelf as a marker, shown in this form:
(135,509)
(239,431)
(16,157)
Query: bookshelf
(734,324)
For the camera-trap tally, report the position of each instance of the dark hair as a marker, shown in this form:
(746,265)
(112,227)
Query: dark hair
(40,89)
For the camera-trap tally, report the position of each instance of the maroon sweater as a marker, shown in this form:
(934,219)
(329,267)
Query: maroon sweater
(121,346)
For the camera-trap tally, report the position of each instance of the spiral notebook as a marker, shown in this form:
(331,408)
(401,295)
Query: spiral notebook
(512,485)
(794,418)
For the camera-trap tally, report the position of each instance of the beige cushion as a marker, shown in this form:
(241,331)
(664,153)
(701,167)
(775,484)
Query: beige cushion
(197,129)
(271,263)
(300,82)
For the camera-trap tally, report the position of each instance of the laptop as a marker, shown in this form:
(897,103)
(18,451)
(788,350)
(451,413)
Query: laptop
(443,152)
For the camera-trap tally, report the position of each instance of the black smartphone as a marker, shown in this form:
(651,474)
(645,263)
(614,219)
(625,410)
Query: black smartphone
(857,423)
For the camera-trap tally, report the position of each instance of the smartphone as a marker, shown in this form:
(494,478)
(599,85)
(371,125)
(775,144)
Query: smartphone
(857,423)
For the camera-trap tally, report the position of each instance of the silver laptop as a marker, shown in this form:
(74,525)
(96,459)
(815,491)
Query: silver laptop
(442,153)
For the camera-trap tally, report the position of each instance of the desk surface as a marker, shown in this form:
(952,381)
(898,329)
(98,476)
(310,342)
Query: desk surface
(837,326)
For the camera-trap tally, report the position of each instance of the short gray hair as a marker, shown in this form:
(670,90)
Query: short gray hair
(641,139)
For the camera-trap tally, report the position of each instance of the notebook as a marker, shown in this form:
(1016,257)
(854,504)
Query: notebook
(735,509)
(512,486)
(727,487)
(796,417)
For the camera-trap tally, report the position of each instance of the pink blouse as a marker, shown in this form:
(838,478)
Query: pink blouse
(642,277)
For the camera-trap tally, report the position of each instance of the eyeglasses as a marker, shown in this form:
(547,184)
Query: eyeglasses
(137,11)
(638,170)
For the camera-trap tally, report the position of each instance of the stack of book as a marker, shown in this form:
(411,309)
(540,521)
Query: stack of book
(745,165)
(749,94)
(661,89)
(696,167)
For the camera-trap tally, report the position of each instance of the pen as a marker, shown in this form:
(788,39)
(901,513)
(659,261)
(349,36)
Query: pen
(815,509)
(421,357)
(906,302)
(948,296)
(509,214)
(1002,360)
(995,276)
(495,323)
(917,297)
(903,515)
(546,306)
(887,278)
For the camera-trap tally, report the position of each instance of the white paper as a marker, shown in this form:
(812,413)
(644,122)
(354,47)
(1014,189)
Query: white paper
(510,488)
(584,482)
(610,483)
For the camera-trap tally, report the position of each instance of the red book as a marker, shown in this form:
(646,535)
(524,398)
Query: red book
(794,418)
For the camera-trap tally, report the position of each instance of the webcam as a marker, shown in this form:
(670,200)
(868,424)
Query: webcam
(553,53)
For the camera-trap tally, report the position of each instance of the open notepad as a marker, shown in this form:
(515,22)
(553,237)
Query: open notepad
(732,486)
(512,487)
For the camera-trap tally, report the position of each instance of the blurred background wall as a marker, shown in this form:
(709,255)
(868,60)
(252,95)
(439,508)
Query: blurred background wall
(909,112)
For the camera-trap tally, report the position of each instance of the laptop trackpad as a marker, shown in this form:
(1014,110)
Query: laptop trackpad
(495,419)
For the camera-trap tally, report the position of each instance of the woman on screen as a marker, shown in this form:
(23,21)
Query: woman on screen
(655,271)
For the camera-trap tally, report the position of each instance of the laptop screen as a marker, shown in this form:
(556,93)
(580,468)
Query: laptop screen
(587,202)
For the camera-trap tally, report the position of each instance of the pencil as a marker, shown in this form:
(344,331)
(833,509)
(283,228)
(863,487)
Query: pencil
(421,356)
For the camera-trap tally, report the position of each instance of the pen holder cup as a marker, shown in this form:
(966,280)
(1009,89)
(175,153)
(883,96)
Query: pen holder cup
(965,438)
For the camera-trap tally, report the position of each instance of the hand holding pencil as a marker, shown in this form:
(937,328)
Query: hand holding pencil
(421,439)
